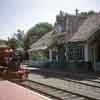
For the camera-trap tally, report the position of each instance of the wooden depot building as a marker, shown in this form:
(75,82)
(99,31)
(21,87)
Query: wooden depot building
(74,43)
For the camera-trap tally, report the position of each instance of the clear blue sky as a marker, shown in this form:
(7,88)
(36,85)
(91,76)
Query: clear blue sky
(23,14)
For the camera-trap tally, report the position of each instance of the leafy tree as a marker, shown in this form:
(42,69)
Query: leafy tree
(84,13)
(91,12)
(16,41)
(19,38)
(40,28)
(20,34)
(39,55)
(12,43)
(35,32)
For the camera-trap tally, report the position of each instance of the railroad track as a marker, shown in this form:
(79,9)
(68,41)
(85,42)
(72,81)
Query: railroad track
(93,83)
(64,94)
(95,80)
(53,92)
(89,82)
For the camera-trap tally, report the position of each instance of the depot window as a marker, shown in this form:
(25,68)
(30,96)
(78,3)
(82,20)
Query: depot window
(76,53)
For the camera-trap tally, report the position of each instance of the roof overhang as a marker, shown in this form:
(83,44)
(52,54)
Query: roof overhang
(38,48)
(43,43)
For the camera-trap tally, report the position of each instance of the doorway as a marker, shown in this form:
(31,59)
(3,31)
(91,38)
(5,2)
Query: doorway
(97,53)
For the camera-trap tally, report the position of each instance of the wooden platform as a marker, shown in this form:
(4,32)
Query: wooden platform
(11,91)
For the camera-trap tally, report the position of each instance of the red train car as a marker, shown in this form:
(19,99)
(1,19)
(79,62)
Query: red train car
(9,66)
(5,53)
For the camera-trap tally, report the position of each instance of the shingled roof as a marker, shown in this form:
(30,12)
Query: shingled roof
(85,29)
(90,25)
(43,43)
(72,24)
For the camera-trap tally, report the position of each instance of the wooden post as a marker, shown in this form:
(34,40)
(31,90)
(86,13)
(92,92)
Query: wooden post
(50,55)
(86,53)
(94,62)
(66,54)
(57,58)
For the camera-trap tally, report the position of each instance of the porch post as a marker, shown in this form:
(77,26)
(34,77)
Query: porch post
(66,53)
(57,58)
(94,62)
(50,55)
(86,53)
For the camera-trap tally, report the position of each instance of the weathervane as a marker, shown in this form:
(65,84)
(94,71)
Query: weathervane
(76,10)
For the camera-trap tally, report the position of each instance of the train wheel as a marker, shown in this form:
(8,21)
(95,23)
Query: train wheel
(24,77)
(4,73)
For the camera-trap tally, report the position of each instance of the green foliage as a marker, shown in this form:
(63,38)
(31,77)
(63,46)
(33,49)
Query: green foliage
(36,32)
(17,40)
(39,55)
(91,12)
(12,43)
(84,13)
(26,42)
(40,28)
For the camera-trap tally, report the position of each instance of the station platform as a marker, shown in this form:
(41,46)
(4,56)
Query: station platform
(12,91)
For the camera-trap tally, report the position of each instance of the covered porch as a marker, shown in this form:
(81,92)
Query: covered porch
(49,44)
(94,50)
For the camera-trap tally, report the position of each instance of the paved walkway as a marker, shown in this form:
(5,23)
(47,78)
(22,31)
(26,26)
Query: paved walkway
(11,91)
(69,86)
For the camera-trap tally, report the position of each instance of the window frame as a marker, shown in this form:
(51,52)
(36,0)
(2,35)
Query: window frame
(76,53)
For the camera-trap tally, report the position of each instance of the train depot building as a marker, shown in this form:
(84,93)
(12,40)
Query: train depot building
(74,43)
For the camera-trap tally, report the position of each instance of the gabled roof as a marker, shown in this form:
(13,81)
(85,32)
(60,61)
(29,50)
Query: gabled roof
(43,43)
(86,30)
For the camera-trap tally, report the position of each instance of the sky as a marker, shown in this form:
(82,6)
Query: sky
(23,14)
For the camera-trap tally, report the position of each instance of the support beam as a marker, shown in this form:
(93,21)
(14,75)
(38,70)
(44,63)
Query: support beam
(66,53)
(50,54)
(57,58)
(86,53)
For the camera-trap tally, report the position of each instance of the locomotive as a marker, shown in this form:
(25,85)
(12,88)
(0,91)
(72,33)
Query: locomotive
(10,64)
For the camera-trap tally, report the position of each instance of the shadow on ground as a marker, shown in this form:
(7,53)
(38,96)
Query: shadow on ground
(63,74)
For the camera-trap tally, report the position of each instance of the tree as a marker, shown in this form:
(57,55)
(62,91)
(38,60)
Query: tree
(84,13)
(12,43)
(16,41)
(91,12)
(19,35)
(35,32)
